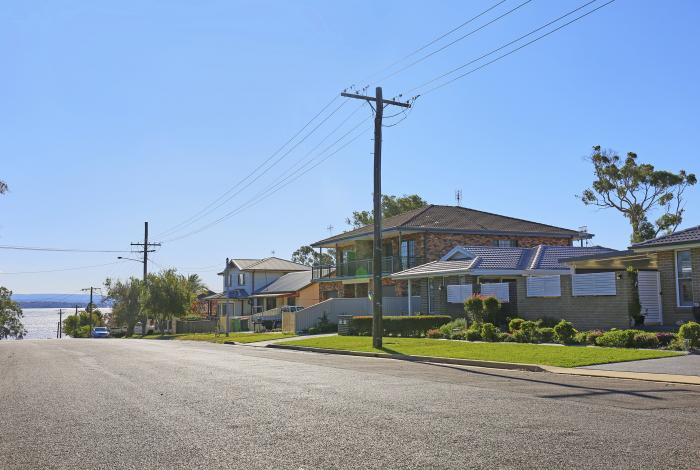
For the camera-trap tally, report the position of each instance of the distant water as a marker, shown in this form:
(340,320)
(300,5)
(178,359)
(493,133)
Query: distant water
(41,323)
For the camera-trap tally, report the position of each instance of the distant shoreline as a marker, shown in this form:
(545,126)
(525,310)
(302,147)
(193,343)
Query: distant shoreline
(51,304)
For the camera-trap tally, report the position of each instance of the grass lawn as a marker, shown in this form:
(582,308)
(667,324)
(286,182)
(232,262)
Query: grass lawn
(211,338)
(560,356)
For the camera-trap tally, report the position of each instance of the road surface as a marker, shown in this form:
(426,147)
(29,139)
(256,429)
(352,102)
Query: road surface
(174,404)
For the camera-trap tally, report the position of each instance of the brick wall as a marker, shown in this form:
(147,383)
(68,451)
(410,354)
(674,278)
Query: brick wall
(671,312)
(438,244)
(586,313)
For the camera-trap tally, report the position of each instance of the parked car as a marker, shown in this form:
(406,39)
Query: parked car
(100,332)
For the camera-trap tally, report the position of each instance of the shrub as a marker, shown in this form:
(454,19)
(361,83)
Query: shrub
(313,330)
(665,339)
(492,310)
(645,340)
(547,322)
(617,338)
(587,337)
(504,337)
(564,332)
(489,332)
(690,331)
(515,324)
(581,337)
(519,337)
(459,335)
(473,334)
(474,307)
(413,326)
(325,326)
(677,345)
(530,330)
(546,335)
(434,333)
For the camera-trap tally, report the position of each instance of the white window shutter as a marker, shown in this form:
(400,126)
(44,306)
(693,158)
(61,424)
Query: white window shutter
(593,284)
(543,286)
(500,290)
(458,293)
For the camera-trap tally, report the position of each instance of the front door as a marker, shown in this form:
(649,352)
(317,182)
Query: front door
(650,296)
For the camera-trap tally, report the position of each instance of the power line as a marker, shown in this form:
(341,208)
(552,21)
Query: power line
(60,269)
(259,197)
(425,46)
(430,54)
(71,250)
(208,209)
(499,48)
(430,90)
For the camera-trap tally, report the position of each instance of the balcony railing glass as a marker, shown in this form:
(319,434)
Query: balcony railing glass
(365,267)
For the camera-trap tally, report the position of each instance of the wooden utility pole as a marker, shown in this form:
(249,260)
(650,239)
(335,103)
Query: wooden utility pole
(146,245)
(89,305)
(380,102)
(59,330)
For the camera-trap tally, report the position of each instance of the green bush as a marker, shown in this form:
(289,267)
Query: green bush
(474,307)
(546,335)
(325,326)
(313,330)
(405,326)
(530,331)
(645,340)
(564,332)
(457,324)
(548,322)
(519,336)
(459,335)
(489,332)
(617,338)
(473,334)
(492,310)
(504,337)
(515,324)
(690,331)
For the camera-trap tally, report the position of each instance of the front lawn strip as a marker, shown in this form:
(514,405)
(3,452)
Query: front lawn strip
(222,338)
(548,355)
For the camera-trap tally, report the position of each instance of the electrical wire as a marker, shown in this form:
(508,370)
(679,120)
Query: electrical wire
(273,155)
(71,250)
(430,90)
(493,51)
(60,269)
(449,44)
(260,175)
(422,48)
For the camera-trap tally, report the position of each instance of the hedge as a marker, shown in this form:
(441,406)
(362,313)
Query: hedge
(404,326)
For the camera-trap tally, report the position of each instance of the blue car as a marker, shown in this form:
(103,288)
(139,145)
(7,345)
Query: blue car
(100,332)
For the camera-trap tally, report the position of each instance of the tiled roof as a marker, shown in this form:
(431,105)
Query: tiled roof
(243,263)
(500,259)
(457,219)
(689,235)
(276,264)
(290,282)
(231,294)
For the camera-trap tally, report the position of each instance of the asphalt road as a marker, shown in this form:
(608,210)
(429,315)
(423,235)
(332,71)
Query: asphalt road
(175,404)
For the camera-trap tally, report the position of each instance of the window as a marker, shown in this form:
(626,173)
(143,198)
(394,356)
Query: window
(458,293)
(241,279)
(684,278)
(408,253)
(544,286)
(505,243)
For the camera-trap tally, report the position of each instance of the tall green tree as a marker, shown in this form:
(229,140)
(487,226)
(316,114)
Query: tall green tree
(168,296)
(10,316)
(391,206)
(127,297)
(79,326)
(637,190)
(308,256)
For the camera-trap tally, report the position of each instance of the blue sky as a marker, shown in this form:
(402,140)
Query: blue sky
(116,113)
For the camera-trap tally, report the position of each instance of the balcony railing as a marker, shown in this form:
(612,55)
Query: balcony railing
(365,267)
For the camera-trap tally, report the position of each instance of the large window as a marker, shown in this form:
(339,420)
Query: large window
(408,253)
(684,278)
(241,279)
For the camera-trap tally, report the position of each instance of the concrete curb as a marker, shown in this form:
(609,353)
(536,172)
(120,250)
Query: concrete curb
(401,357)
(648,377)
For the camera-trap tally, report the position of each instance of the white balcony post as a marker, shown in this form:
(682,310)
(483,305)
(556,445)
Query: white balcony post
(410,311)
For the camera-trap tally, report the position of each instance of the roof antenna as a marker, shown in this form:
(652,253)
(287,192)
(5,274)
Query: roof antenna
(458,197)
(583,234)
(330,229)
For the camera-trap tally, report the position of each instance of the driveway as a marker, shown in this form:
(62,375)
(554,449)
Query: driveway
(679,365)
(141,404)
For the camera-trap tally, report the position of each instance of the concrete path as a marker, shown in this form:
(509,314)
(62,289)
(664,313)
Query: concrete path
(679,365)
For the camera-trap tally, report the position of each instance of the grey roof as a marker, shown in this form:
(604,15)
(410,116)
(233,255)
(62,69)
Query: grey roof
(243,263)
(457,220)
(502,259)
(290,282)
(276,264)
(231,294)
(689,235)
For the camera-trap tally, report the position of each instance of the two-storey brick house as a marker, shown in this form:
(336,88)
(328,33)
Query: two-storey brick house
(420,236)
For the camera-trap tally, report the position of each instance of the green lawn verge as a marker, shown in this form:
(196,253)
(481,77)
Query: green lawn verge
(560,356)
(221,338)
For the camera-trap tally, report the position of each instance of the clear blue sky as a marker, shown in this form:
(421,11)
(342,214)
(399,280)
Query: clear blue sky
(113,114)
